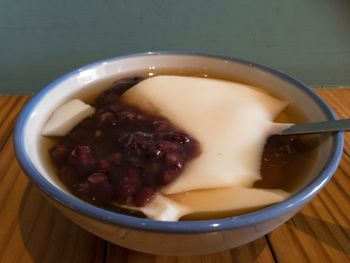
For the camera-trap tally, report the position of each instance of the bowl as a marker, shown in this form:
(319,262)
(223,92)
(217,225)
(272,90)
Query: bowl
(170,238)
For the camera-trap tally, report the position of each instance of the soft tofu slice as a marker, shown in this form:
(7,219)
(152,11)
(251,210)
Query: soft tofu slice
(230,120)
(233,198)
(164,209)
(66,117)
(210,202)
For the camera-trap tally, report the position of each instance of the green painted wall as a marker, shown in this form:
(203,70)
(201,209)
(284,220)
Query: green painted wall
(42,39)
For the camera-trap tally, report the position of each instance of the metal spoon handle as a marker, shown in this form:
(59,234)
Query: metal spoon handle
(318,127)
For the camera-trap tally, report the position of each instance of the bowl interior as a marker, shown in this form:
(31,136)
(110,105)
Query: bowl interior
(88,81)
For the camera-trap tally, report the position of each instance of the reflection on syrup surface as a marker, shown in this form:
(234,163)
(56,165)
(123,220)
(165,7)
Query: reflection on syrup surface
(286,162)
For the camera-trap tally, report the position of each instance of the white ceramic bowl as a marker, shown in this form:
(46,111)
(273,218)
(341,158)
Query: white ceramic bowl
(170,238)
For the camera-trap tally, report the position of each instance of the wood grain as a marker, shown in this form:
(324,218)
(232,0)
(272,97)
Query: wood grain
(339,100)
(9,109)
(31,230)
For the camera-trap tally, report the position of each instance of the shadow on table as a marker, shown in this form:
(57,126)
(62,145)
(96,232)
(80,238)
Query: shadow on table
(331,234)
(257,251)
(48,236)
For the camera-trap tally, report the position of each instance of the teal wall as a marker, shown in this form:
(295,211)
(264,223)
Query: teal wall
(43,39)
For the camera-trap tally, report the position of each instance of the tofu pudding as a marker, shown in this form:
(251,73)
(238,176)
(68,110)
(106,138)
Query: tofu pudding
(173,146)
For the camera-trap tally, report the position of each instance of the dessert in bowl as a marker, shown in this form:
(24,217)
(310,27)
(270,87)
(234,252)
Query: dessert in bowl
(199,235)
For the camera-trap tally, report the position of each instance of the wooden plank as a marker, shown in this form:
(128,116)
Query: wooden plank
(313,235)
(9,109)
(339,100)
(7,103)
(31,229)
(3,99)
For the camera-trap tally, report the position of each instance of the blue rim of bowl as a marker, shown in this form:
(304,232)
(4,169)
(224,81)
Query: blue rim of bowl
(291,204)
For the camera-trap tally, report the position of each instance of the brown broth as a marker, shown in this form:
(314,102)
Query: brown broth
(288,168)
(288,175)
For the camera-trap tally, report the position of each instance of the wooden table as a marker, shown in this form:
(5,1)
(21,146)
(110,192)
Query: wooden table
(31,230)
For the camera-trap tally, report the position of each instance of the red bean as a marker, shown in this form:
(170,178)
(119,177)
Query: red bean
(59,153)
(168,176)
(103,166)
(174,161)
(144,196)
(83,157)
(68,175)
(101,191)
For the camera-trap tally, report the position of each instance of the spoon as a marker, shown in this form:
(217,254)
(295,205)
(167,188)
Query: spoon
(318,127)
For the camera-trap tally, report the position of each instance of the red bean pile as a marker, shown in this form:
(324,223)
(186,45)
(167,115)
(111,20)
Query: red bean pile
(120,153)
